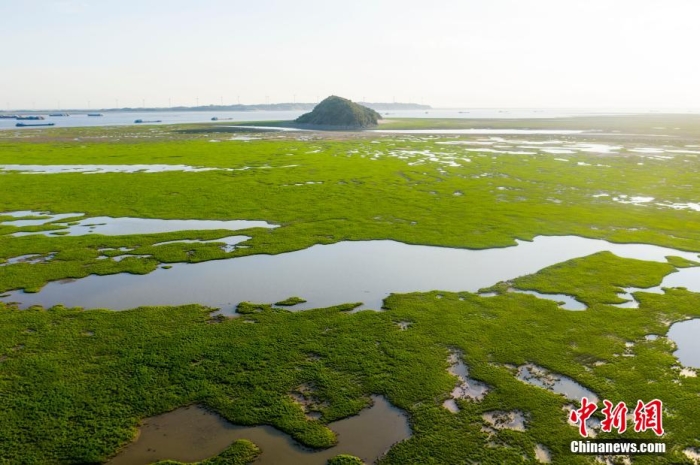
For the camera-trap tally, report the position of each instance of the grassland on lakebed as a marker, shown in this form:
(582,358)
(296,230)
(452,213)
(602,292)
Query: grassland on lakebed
(74,384)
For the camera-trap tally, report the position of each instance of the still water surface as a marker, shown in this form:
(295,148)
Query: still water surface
(191,434)
(124,118)
(686,335)
(109,226)
(326,275)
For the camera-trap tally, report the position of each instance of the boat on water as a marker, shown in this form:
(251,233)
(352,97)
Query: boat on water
(8,116)
(30,117)
(221,119)
(31,125)
(95,114)
(140,121)
(59,114)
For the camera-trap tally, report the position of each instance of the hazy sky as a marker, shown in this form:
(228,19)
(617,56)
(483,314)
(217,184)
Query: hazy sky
(468,53)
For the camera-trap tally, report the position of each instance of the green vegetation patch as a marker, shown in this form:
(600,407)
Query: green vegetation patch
(345,459)
(595,279)
(680,262)
(94,375)
(290,302)
(79,256)
(363,190)
(241,452)
(75,384)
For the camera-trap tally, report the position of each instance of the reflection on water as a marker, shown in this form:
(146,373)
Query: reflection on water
(192,433)
(538,376)
(229,242)
(466,388)
(685,335)
(686,277)
(564,301)
(326,275)
(127,118)
(631,300)
(121,226)
(96,169)
(31,259)
(35,218)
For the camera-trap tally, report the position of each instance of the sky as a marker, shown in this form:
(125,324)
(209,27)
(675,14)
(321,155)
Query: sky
(457,54)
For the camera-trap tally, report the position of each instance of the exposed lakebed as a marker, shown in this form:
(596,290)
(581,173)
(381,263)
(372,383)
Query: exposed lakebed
(466,387)
(193,433)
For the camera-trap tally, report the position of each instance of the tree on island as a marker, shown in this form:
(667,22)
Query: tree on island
(338,112)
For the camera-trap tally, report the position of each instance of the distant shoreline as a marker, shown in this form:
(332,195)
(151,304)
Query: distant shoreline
(238,107)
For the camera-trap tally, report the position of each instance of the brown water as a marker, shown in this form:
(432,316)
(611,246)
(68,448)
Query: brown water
(192,433)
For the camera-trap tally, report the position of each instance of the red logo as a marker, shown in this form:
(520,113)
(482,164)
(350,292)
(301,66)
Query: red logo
(614,417)
(646,416)
(581,415)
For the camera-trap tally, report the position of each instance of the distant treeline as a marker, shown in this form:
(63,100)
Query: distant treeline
(259,107)
(278,107)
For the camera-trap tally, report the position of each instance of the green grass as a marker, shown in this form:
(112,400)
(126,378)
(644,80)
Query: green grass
(359,199)
(240,452)
(596,279)
(92,375)
(290,302)
(75,384)
(344,459)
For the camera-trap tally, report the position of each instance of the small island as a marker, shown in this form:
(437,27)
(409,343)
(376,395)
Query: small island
(339,113)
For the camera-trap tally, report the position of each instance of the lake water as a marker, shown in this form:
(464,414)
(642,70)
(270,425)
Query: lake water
(528,132)
(685,335)
(192,434)
(538,376)
(122,226)
(566,301)
(326,275)
(97,169)
(167,117)
(466,388)
(112,118)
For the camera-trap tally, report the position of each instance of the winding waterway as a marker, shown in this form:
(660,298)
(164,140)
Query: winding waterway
(326,275)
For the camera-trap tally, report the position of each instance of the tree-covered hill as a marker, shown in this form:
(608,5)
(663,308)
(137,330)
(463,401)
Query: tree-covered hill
(339,112)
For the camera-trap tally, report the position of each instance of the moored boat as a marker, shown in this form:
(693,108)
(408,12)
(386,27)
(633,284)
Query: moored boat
(30,117)
(59,114)
(139,121)
(95,114)
(28,125)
